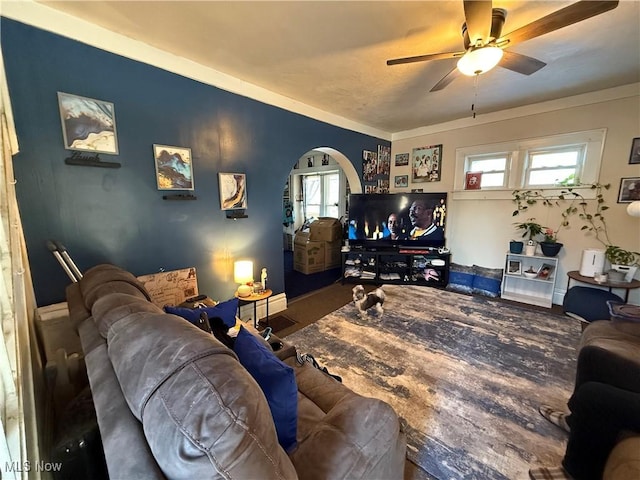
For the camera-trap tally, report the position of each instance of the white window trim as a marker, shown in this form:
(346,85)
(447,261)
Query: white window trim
(594,140)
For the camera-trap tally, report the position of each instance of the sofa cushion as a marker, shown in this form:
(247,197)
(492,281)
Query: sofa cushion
(461,278)
(487,281)
(203,415)
(277,381)
(115,306)
(106,278)
(226,311)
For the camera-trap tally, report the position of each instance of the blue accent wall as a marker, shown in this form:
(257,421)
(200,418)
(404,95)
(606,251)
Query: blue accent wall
(118,215)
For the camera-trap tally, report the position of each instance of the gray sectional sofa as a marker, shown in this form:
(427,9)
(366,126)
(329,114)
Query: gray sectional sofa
(174,402)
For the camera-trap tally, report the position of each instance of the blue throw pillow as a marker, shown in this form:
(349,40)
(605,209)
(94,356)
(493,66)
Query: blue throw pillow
(224,310)
(277,381)
(487,281)
(461,278)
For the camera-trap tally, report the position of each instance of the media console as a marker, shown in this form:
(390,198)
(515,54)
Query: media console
(400,266)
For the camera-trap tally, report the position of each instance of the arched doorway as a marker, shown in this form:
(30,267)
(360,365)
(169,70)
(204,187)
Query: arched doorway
(317,186)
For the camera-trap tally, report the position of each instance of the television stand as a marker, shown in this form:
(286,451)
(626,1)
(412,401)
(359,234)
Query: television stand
(419,267)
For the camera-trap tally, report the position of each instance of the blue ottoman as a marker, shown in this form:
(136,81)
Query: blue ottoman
(588,304)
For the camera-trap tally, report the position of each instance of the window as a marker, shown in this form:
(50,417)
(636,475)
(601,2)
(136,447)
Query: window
(493,168)
(321,194)
(557,166)
(546,162)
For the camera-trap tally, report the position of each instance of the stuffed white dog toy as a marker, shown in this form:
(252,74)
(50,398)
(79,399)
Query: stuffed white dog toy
(365,301)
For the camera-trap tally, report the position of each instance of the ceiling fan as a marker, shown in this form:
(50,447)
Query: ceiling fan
(483,43)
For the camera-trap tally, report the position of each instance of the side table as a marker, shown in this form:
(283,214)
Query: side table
(255,298)
(626,286)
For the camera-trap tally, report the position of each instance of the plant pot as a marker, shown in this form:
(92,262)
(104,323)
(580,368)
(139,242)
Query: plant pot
(515,246)
(530,250)
(550,249)
(626,271)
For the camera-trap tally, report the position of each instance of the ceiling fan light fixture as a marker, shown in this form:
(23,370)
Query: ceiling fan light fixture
(479,60)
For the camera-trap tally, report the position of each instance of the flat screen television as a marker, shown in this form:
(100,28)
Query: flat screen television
(397,220)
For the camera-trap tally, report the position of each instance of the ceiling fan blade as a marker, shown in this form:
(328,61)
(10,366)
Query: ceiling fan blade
(520,63)
(477,14)
(446,80)
(574,13)
(425,58)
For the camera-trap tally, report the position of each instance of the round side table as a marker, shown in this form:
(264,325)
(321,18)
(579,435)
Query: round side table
(626,286)
(255,298)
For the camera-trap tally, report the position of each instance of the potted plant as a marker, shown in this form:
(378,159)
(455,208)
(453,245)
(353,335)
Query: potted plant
(550,246)
(532,229)
(621,260)
(623,263)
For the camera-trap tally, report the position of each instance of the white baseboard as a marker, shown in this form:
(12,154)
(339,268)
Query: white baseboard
(277,303)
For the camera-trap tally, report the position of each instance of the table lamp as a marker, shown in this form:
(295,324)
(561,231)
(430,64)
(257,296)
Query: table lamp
(243,275)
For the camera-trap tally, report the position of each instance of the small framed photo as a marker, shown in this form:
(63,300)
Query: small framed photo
(174,167)
(88,124)
(629,190)
(401,181)
(514,267)
(402,159)
(634,157)
(426,164)
(233,191)
(545,272)
(473,180)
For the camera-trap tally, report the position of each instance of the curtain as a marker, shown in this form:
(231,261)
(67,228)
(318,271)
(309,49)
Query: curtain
(19,450)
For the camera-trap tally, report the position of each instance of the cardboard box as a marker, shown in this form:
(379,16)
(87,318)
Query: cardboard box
(308,256)
(332,254)
(326,229)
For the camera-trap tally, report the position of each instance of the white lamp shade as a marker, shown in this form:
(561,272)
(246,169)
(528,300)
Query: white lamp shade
(633,209)
(479,60)
(243,271)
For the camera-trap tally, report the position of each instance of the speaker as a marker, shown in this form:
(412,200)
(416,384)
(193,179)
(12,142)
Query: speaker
(592,262)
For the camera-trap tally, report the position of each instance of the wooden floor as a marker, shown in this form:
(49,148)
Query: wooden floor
(309,308)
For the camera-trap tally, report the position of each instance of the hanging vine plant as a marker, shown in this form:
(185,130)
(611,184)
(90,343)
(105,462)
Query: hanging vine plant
(593,220)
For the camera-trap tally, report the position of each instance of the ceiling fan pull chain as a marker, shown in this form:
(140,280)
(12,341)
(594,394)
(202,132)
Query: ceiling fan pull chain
(475,94)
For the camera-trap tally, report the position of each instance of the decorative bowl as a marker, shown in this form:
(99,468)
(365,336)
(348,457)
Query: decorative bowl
(530,274)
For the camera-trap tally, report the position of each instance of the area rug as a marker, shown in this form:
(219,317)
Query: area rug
(277,323)
(466,373)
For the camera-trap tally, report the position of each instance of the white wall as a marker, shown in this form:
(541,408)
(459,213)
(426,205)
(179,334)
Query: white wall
(478,231)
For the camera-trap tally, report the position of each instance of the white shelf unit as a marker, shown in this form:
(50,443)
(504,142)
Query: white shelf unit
(534,291)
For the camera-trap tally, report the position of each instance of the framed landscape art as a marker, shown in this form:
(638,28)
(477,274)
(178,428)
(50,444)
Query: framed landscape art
(233,191)
(174,167)
(88,124)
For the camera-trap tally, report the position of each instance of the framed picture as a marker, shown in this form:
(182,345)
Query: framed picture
(472,180)
(401,181)
(174,167)
(88,124)
(369,165)
(384,160)
(426,164)
(634,157)
(402,159)
(233,191)
(545,272)
(514,267)
(629,190)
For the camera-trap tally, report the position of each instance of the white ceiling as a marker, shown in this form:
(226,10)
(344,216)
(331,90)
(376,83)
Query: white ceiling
(332,55)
